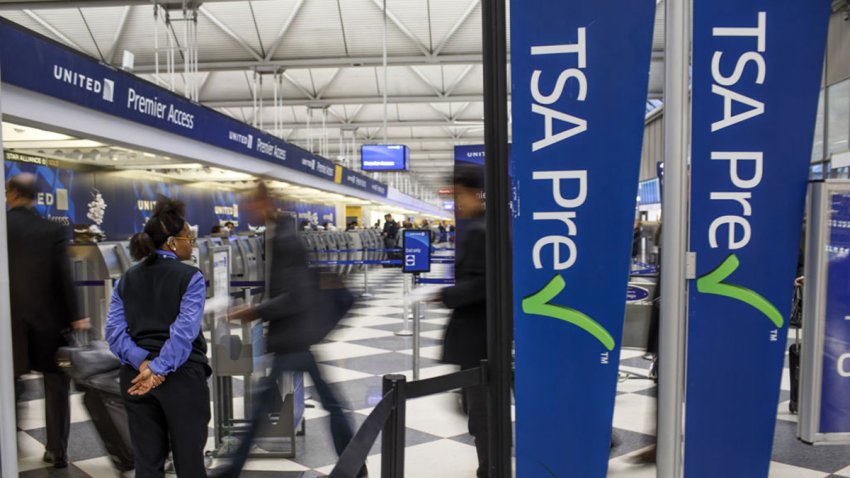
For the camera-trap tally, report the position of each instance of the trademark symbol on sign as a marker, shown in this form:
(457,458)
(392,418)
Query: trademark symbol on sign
(774,335)
(604,358)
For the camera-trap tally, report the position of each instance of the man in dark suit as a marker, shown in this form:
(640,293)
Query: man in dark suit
(301,307)
(466,334)
(43,304)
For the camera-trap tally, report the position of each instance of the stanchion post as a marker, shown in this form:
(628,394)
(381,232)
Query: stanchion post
(405,328)
(417,329)
(392,437)
(366,294)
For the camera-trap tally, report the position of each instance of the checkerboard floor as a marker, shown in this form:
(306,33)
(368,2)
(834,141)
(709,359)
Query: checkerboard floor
(355,356)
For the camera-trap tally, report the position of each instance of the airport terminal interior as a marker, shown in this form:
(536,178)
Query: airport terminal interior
(359,117)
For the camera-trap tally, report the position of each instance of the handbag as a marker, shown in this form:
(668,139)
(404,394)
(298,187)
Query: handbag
(85,358)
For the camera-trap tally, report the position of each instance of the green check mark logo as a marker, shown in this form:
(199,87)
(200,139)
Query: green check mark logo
(712,283)
(538,304)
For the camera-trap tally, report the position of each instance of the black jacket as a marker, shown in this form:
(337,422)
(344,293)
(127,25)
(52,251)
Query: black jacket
(43,300)
(297,313)
(466,334)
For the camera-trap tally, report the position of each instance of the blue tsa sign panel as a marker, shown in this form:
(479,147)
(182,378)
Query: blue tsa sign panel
(417,251)
(834,406)
(579,70)
(384,157)
(756,76)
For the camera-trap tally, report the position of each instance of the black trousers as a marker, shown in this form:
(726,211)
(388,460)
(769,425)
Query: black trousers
(476,401)
(173,416)
(57,413)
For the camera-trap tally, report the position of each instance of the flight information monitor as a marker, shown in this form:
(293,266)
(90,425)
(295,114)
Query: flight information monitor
(384,157)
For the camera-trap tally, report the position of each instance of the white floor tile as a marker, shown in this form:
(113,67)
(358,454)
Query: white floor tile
(635,385)
(632,353)
(341,350)
(635,413)
(333,374)
(434,334)
(622,468)
(100,467)
(377,311)
(784,414)
(31,413)
(349,334)
(781,470)
(434,352)
(369,320)
(29,447)
(438,415)
(273,464)
(443,458)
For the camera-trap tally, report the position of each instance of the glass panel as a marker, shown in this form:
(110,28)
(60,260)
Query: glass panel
(817,145)
(816,171)
(840,173)
(838,128)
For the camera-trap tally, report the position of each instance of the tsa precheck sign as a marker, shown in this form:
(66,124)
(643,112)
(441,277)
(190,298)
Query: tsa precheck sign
(756,77)
(580,72)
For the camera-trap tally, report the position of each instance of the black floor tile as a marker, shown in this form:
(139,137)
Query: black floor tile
(381,364)
(84,444)
(70,472)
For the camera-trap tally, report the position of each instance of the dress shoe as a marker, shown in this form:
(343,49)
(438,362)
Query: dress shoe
(56,462)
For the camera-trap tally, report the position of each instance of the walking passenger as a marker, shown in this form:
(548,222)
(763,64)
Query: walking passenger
(44,307)
(154,327)
(466,334)
(299,311)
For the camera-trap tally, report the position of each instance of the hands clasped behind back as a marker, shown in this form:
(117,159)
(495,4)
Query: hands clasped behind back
(145,381)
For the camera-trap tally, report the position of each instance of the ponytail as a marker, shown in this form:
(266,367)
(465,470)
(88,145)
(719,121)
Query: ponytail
(142,247)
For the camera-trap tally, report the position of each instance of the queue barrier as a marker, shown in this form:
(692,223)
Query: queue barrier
(390,416)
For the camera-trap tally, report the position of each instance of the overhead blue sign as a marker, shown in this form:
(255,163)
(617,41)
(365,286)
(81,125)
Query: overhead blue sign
(835,381)
(579,71)
(470,153)
(384,157)
(756,76)
(417,251)
(54,70)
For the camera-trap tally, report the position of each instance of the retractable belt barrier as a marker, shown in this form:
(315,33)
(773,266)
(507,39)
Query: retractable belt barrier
(89,283)
(390,417)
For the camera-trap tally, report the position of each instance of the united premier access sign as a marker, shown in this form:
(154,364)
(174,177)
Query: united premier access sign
(756,75)
(580,70)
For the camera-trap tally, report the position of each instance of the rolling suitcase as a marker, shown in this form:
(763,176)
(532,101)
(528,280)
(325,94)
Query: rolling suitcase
(794,371)
(94,370)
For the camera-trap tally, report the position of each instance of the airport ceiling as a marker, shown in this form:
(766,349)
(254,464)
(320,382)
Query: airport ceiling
(328,56)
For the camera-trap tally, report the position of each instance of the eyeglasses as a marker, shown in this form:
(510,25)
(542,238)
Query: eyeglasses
(191,239)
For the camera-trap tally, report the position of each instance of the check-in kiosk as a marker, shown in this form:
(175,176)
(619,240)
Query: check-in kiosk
(94,270)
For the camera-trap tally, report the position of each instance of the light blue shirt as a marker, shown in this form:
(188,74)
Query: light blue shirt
(186,327)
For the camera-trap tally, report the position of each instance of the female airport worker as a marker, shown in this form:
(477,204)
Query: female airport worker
(154,327)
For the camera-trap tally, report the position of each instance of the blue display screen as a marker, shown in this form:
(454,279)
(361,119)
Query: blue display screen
(417,251)
(384,157)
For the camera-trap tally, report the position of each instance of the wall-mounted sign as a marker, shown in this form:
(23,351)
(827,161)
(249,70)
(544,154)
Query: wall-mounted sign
(55,70)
